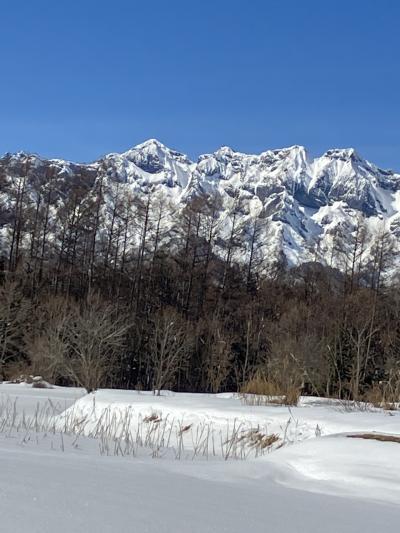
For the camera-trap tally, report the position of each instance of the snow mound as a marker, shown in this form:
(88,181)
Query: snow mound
(343,466)
(191,419)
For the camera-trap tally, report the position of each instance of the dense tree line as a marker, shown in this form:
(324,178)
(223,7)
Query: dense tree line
(101,290)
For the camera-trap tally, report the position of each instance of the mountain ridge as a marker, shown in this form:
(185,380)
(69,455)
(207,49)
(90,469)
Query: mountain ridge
(300,205)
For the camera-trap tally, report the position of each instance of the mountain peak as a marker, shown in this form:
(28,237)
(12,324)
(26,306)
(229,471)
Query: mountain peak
(150,143)
(342,153)
(293,148)
(225,151)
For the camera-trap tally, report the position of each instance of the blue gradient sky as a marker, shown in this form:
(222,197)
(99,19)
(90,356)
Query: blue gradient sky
(79,79)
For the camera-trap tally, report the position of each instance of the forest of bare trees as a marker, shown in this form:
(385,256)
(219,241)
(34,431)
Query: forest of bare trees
(143,305)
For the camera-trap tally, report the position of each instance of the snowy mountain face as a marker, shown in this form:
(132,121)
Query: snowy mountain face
(292,207)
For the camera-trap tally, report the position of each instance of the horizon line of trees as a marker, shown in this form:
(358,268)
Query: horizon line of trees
(99,290)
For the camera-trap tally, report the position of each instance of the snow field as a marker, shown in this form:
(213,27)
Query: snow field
(63,466)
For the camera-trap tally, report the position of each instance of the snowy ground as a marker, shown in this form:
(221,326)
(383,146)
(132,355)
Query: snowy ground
(313,479)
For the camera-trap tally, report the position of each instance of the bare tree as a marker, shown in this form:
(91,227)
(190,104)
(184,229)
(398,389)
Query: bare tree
(96,336)
(219,357)
(14,311)
(48,344)
(168,348)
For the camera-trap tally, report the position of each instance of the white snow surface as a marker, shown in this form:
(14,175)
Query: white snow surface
(320,481)
(313,415)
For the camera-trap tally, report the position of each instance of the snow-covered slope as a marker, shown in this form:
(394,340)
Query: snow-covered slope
(322,482)
(297,207)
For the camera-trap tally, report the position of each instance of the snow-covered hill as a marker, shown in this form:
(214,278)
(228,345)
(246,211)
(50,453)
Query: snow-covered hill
(297,208)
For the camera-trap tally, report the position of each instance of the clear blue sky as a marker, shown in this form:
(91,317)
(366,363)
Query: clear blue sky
(83,78)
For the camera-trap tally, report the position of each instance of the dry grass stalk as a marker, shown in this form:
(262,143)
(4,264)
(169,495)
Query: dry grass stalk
(123,432)
(386,394)
(261,390)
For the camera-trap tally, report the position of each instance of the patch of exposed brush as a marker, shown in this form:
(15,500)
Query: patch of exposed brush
(261,389)
(381,437)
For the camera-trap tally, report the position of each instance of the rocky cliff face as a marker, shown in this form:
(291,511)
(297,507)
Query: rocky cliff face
(295,206)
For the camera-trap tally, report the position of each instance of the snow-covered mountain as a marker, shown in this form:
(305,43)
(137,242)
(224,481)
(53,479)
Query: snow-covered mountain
(294,207)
